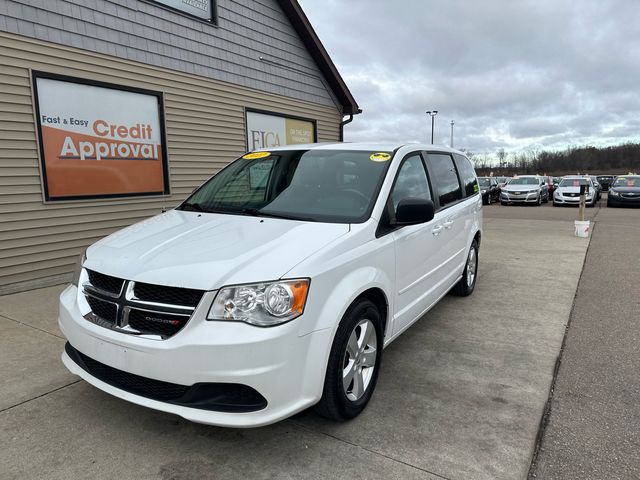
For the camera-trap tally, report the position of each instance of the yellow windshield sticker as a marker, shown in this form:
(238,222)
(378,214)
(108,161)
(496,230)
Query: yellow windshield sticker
(379,157)
(254,155)
(475,188)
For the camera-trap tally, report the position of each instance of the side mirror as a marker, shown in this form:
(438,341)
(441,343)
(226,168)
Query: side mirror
(412,211)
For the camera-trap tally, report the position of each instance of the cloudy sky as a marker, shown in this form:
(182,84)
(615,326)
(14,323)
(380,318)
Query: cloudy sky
(523,74)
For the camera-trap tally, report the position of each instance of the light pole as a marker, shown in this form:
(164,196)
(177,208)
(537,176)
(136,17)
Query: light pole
(451,144)
(432,114)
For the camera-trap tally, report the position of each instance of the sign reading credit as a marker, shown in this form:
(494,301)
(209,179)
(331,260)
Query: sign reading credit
(98,140)
(266,130)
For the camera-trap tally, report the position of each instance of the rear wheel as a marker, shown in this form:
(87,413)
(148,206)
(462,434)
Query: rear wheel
(354,362)
(467,283)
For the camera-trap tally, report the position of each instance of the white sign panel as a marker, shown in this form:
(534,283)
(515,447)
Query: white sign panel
(99,141)
(198,8)
(268,131)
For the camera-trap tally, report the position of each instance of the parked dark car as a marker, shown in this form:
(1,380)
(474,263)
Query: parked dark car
(489,189)
(551,186)
(605,181)
(624,192)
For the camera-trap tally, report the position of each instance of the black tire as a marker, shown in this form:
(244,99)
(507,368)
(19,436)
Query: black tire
(539,201)
(334,404)
(489,199)
(554,204)
(462,288)
(504,204)
(546,199)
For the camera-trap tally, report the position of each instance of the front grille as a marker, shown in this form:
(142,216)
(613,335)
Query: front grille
(105,310)
(105,282)
(172,295)
(220,397)
(138,308)
(156,323)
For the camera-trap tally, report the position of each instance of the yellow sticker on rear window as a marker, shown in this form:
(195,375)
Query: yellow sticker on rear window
(475,188)
(379,157)
(254,155)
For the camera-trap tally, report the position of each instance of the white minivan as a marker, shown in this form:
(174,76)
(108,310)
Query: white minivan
(276,285)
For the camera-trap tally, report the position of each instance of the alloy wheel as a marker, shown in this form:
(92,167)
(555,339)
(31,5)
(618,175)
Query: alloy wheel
(359,359)
(472,263)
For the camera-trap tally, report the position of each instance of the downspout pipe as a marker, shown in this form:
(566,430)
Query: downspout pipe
(344,122)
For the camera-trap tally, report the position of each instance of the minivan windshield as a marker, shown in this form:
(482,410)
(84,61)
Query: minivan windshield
(484,181)
(335,186)
(524,181)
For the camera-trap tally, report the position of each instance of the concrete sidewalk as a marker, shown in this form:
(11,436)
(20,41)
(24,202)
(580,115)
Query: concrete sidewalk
(593,430)
(460,394)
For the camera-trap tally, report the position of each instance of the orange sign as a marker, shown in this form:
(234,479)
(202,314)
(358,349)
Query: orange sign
(98,141)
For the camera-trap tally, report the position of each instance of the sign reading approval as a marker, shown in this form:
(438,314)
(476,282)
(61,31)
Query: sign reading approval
(99,141)
(271,130)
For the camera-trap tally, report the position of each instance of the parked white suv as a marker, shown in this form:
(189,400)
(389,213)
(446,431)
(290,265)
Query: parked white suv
(275,285)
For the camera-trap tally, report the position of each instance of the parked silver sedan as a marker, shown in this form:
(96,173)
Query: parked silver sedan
(530,189)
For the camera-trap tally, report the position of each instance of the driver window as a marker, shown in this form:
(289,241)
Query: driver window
(411,181)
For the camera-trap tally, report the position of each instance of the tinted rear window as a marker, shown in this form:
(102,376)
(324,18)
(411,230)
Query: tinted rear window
(467,174)
(445,178)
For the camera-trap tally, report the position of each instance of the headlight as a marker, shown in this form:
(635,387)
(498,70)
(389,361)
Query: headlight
(613,193)
(483,192)
(78,268)
(262,304)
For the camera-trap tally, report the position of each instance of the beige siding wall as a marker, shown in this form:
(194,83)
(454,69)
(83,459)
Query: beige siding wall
(205,130)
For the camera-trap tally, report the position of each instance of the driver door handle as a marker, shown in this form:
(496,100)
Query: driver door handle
(436,230)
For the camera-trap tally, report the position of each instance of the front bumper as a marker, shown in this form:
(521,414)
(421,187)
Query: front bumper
(521,198)
(622,201)
(286,369)
(562,200)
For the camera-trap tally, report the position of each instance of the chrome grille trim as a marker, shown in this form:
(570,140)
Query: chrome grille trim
(131,297)
(126,302)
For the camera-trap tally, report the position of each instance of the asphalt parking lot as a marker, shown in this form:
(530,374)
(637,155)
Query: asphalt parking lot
(461,394)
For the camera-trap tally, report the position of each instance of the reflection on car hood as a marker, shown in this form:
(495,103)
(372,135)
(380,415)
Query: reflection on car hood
(570,189)
(519,188)
(626,189)
(206,251)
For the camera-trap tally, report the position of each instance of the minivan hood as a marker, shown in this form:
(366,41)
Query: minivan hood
(206,251)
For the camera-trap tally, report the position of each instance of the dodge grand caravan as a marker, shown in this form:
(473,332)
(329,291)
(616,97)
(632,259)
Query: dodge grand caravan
(276,285)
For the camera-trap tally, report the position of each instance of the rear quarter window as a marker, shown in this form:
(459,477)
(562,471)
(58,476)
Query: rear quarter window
(467,175)
(445,178)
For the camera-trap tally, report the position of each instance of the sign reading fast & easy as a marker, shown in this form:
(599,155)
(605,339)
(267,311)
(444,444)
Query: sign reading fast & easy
(98,140)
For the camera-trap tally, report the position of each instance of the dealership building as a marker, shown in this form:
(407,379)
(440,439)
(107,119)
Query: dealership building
(113,110)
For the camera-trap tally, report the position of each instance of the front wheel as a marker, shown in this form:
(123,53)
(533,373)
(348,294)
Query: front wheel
(467,283)
(354,362)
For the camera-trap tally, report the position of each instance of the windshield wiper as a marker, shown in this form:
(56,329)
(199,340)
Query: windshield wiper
(192,206)
(259,213)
